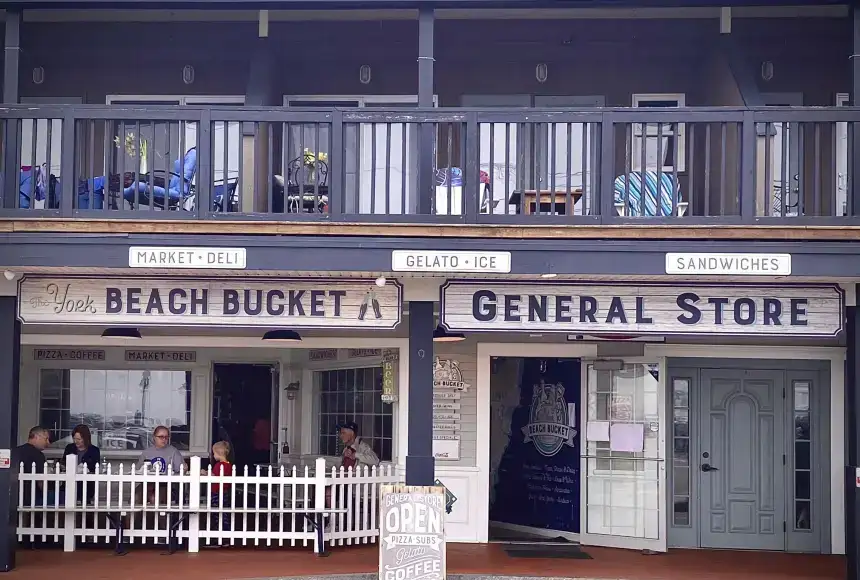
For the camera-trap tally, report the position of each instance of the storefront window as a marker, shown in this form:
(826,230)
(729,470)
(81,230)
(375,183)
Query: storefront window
(623,475)
(354,395)
(802,457)
(121,407)
(681,452)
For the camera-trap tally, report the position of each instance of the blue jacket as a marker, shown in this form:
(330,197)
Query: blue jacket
(91,458)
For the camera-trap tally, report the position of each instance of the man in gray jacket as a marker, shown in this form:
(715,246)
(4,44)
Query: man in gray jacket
(356,452)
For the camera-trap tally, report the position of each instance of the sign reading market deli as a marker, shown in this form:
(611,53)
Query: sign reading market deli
(711,309)
(295,303)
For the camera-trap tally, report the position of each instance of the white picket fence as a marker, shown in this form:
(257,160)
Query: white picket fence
(52,504)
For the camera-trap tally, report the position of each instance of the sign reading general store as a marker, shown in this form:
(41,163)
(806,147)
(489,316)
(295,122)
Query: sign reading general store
(304,303)
(796,310)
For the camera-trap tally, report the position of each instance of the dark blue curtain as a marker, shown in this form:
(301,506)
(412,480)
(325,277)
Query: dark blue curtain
(538,477)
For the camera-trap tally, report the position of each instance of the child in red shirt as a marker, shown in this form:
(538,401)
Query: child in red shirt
(220,492)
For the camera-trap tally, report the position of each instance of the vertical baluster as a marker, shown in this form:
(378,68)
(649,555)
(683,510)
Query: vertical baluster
(405,131)
(723,167)
(676,153)
(50,202)
(507,166)
(801,174)
(691,172)
(768,170)
(816,169)
(34,132)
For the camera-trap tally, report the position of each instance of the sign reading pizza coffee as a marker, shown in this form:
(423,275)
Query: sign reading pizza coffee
(796,310)
(304,303)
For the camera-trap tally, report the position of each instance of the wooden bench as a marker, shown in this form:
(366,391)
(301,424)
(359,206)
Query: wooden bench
(179,513)
(314,516)
(114,514)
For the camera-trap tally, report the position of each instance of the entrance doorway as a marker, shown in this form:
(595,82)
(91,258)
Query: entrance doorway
(623,499)
(577,452)
(245,411)
(750,454)
(741,469)
(534,449)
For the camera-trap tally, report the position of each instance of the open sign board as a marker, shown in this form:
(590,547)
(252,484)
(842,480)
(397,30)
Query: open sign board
(413,533)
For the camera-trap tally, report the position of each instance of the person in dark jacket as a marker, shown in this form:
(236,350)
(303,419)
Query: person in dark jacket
(88,455)
(82,446)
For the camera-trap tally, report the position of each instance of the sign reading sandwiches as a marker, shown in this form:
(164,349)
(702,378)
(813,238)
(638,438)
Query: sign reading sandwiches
(293,303)
(759,310)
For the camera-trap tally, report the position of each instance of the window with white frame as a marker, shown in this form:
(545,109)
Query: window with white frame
(664,142)
(627,396)
(354,395)
(121,407)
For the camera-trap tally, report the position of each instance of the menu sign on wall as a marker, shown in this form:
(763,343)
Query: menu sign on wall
(702,309)
(295,303)
(448,384)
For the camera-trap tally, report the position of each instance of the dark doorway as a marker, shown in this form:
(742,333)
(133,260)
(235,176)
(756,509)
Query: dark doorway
(534,449)
(242,412)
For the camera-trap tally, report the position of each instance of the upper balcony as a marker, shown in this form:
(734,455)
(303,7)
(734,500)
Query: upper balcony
(552,117)
(684,165)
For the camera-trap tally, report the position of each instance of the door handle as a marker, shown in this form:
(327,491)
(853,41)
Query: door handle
(707,467)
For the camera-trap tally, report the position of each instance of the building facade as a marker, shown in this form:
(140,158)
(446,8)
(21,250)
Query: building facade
(592,268)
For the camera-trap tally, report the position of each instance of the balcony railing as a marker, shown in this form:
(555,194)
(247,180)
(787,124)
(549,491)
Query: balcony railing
(517,166)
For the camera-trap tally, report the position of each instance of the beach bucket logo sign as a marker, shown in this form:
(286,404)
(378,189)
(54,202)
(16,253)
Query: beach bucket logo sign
(550,427)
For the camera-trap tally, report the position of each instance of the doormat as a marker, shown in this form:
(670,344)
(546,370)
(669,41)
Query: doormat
(571,552)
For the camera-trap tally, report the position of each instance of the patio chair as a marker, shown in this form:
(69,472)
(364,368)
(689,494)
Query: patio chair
(305,185)
(170,195)
(632,186)
(224,196)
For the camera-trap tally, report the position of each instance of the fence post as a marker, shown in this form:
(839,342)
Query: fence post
(606,176)
(748,169)
(471,199)
(69,180)
(337,166)
(70,501)
(194,504)
(205,174)
(319,497)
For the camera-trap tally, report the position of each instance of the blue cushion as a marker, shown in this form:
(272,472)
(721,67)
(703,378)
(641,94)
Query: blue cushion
(668,182)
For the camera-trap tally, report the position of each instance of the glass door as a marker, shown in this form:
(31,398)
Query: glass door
(623,494)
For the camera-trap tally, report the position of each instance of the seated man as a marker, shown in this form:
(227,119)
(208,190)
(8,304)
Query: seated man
(31,455)
(356,451)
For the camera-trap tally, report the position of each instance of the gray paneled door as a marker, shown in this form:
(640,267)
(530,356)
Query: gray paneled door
(741,480)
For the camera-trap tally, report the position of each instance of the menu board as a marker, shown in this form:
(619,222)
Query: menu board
(448,386)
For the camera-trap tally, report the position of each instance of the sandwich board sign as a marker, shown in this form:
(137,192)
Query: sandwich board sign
(413,533)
